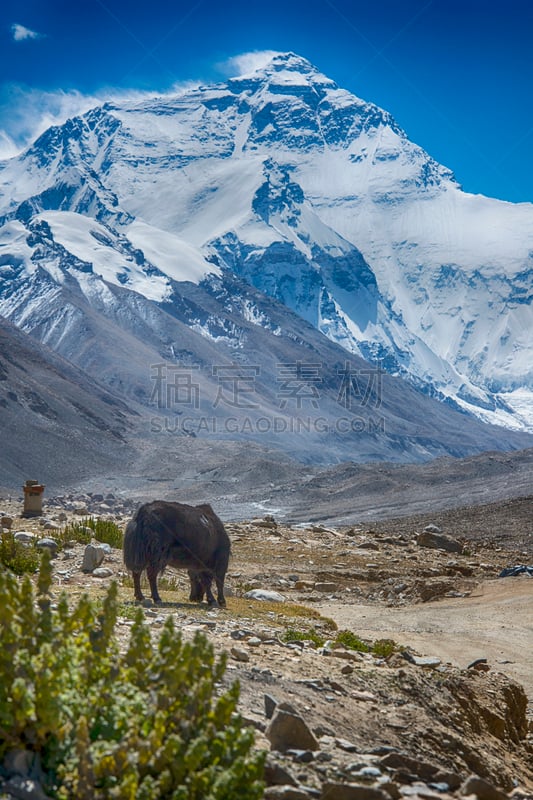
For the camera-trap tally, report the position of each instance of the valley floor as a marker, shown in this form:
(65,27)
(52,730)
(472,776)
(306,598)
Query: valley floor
(416,721)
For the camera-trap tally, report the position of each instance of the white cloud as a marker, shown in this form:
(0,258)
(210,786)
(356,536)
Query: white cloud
(8,146)
(26,112)
(247,63)
(21,33)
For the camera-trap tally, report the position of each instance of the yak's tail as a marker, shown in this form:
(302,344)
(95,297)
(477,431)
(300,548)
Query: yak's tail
(136,542)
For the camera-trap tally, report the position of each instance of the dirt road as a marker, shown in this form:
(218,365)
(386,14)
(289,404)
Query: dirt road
(495,622)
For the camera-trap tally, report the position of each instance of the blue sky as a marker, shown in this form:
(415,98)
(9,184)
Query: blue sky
(457,76)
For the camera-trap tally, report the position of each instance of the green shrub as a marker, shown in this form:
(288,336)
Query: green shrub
(18,557)
(147,723)
(74,532)
(383,648)
(292,635)
(351,641)
(104,530)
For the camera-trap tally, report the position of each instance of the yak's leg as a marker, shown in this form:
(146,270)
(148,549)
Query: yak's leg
(151,573)
(197,589)
(137,586)
(220,591)
(207,581)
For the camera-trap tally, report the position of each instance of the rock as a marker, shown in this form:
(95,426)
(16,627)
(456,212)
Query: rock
(6,522)
(482,789)
(62,517)
(277,775)
(48,544)
(346,655)
(240,634)
(480,664)
(430,588)
(323,730)
(432,529)
(270,705)
(347,669)
(285,793)
(421,791)
(303,585)
(422,661)
(80,508)
(267,522)
(392,789)
(266,595)
(407,764)
(365,697)
(451,779)
(102,572)
(438,541)
(239,654)
(326,586)
(367,773)
(352,791)
(92,557)
(288,731)
(344,744)
(24,537)
(301,756)
(440,786)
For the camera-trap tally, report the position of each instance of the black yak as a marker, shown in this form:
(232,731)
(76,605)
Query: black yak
(177,535)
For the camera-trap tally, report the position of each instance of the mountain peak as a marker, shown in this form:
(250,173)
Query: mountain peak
(287,69)
(292,62)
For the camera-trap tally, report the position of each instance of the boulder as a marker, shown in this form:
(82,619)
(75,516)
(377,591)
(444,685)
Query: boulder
(25,537)
(102,572)
(277,774)
(239,654)
(288,731)
(265,595)
(48,544)
(482,789)
(92,557)
(326,586)
(438,541)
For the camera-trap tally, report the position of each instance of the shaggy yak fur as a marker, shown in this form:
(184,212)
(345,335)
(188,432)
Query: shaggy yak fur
(177,535)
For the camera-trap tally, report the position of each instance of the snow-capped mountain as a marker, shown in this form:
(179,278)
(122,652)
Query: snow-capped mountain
(297,188)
